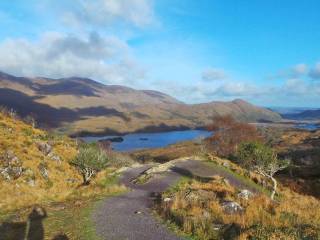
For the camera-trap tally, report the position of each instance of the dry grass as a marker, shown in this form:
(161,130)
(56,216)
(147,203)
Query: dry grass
(196,208)
(33,188)
(171,152)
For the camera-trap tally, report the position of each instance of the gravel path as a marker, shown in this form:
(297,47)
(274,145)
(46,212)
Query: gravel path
(129,216)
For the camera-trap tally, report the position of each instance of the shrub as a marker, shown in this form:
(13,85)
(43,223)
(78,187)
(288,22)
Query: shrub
(261,159)
(228,134)
(89,161)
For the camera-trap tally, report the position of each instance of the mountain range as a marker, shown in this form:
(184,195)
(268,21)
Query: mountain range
(313,114)
(80,106)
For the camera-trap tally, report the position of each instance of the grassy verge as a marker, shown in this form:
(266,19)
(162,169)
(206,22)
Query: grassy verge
(66,220)
(196,210)
(245,180)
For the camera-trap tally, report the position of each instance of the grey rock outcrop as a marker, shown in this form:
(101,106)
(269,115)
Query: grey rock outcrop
(231,207)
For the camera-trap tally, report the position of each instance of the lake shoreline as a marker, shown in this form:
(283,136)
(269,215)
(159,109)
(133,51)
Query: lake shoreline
(137,141)
(149,129)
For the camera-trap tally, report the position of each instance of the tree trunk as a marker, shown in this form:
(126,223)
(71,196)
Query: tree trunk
(274,189)
(87,173)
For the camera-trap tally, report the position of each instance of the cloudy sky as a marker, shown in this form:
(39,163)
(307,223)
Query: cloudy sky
(266,52)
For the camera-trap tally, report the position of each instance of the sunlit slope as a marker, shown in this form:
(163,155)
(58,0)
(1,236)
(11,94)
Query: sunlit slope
(76,105)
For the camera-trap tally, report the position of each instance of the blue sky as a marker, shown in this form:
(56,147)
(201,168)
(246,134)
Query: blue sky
(266,52)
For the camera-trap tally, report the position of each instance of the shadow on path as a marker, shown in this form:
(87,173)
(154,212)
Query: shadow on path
(32,229)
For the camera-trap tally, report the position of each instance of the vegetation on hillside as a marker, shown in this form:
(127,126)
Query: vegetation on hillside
(37,167)
(261,159)
(217,210)
(78,106)
(229,134)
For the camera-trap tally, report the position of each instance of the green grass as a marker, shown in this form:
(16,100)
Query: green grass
(74,222)
(72,218)
(245,180)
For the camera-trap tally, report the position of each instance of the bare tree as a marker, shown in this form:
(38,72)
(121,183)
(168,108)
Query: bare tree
(263,160)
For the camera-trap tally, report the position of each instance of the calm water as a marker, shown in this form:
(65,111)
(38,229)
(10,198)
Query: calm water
(152,140)
(308,126)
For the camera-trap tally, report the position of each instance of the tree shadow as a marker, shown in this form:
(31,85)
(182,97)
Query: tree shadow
(186,173)
(61,237)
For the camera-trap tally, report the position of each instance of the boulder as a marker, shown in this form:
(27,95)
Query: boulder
(231,207)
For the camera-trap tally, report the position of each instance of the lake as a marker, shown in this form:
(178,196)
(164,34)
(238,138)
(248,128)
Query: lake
(137,141)
(308,126)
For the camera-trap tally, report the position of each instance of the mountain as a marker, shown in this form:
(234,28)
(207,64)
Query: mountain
(80,105)
(304,115)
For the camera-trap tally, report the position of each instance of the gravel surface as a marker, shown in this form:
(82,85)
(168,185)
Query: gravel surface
(129,216)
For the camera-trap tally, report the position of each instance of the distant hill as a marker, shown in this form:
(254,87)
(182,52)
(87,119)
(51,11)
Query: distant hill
(304,115)
(79,105)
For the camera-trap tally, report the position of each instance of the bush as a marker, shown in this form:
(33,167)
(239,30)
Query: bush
(89,161)
(228,134)
(261,159)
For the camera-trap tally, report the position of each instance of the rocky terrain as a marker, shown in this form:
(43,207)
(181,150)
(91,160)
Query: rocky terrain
(78,106)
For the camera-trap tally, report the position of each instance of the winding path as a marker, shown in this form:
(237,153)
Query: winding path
(129,216)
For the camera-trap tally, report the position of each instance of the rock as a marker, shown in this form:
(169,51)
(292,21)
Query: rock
(31,182)
(45,148)
(29,176)
(226,164)
(11,160)
(217,226)
(54,157)
(11,166)
(15,172)
(160,168)
(11,173)
(231,207)
(245,194)
(4,174)
(43,171)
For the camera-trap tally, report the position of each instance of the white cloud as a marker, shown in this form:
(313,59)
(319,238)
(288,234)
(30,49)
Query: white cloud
(315,72)
(295,71)
(236,89)
(300,69)
(107,59)
(213,74)
(295,86)
(139,13)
